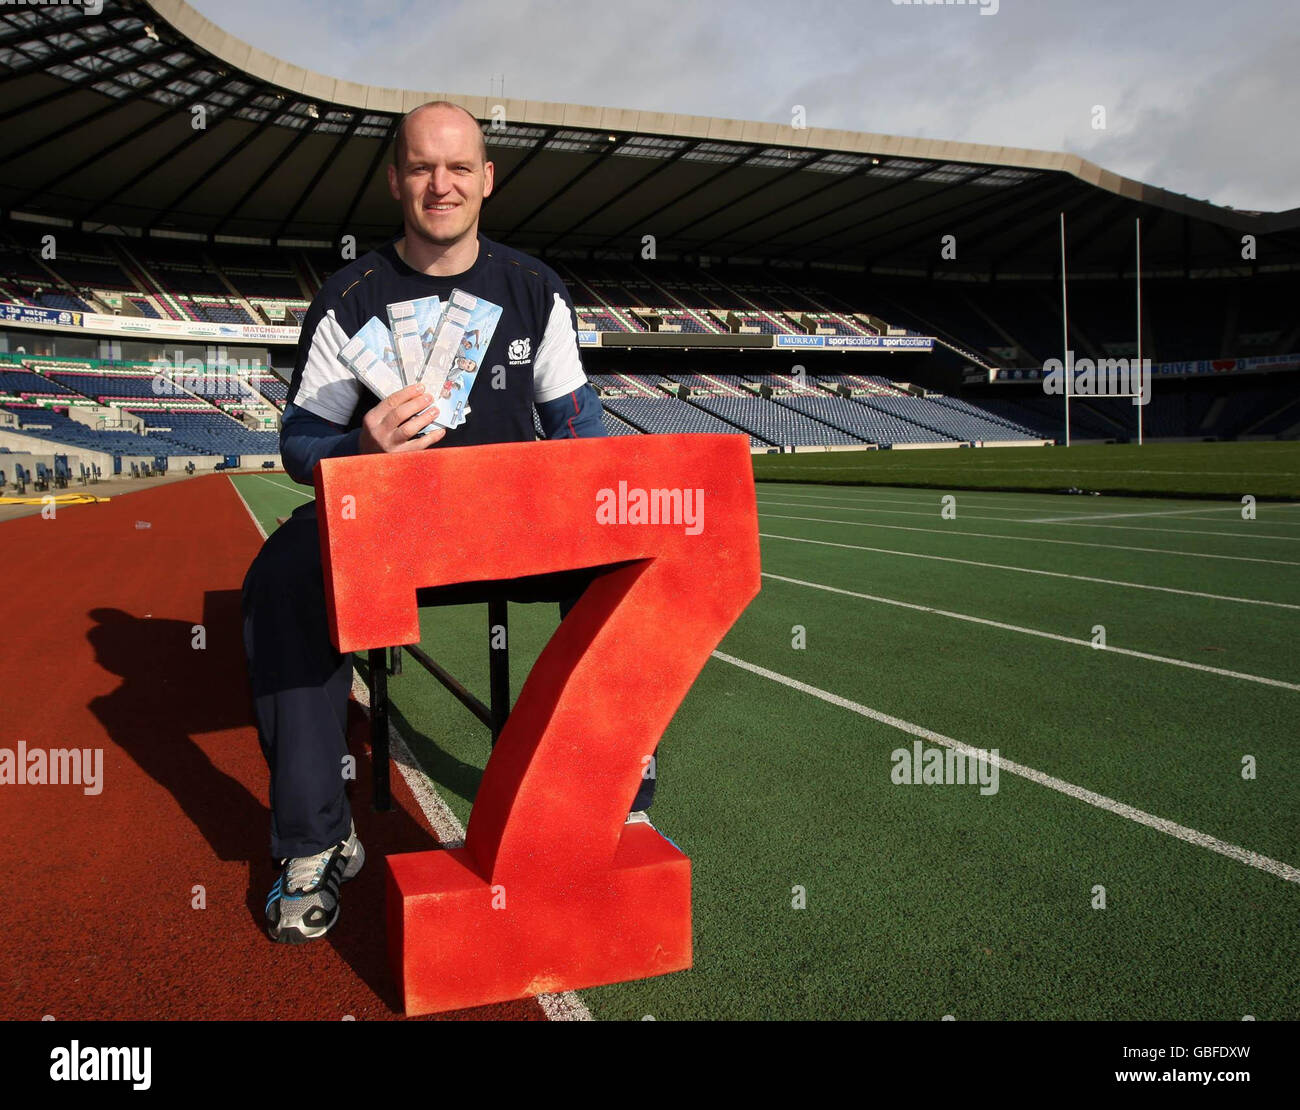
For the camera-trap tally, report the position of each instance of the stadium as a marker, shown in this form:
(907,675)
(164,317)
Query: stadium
(954,558)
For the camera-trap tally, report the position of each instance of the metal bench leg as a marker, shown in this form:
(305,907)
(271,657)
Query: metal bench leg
(379,728)
(498,665)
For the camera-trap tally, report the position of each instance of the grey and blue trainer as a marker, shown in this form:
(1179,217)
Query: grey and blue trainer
(304,902)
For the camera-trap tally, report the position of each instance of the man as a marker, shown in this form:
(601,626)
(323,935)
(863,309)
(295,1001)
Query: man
(440,175)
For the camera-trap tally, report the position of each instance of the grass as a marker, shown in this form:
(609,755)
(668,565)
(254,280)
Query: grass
(1263,470)
(930,900)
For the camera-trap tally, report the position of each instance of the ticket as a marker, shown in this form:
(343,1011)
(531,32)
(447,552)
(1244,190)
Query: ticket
(370,356)
(472,339)
(413,325)
(446,342)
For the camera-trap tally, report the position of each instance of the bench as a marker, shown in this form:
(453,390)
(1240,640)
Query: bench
(382,662)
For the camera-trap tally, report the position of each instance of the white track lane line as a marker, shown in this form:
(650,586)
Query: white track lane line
(1039,633)
(567,1006)
(1170,828)
(1058,520)
(1033,539)
(1032,570)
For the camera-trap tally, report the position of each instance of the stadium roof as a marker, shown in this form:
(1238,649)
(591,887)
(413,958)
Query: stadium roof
(98,114)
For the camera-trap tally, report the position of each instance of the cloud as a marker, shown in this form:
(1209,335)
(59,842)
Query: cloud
(1231,140)
(1198,94)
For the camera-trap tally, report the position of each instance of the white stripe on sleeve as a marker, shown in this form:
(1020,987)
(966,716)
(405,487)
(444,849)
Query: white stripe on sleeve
(557,369)
(327,387)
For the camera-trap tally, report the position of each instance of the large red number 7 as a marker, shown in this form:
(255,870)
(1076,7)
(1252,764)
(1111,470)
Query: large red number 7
(552,891)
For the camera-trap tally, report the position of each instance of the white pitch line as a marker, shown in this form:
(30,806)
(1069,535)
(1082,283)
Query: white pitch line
(846,500)
(1121,516)
(1033,539)
(1066,521)
(446,825)
(256,523)
(1020,497)
(283,488)
(911,468)
(1170,828)
(932,512)
(1272,523)
(567,1006)
(1032,570)
(1040,633)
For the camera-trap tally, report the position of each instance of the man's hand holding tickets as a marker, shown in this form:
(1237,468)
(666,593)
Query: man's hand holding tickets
(396,422)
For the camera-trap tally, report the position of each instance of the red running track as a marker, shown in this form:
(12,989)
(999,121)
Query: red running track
(97,891)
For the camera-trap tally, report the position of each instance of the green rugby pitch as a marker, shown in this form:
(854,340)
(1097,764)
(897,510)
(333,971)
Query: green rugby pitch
(979,629)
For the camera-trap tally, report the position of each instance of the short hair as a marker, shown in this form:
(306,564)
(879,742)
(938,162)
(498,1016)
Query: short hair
(399,140)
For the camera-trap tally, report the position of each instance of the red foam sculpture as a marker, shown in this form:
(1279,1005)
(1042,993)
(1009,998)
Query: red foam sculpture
(552,891)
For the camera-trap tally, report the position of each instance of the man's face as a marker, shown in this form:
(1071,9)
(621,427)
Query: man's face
(443,179)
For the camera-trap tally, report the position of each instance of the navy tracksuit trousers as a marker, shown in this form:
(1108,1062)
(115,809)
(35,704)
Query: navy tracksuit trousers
(300,683)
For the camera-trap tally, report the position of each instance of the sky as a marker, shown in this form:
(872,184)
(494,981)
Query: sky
(1200,97)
